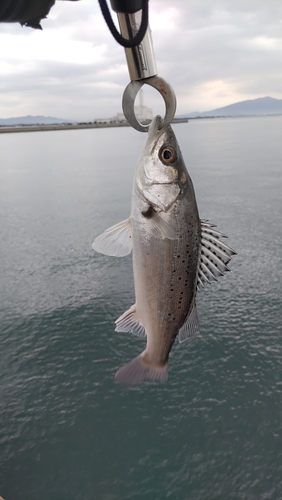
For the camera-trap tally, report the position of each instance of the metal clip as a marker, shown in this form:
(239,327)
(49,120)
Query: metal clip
(131,92)
(140,59)
(142,70)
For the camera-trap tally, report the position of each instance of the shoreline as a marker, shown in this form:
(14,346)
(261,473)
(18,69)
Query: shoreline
(75,126)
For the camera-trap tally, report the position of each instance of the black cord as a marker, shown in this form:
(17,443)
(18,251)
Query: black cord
(137,39)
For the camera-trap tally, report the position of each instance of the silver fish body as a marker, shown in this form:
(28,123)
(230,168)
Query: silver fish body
(174,254)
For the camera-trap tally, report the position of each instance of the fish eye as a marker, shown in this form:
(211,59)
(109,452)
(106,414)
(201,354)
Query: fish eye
(168,155)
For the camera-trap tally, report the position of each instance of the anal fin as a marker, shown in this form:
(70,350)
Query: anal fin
(129,322)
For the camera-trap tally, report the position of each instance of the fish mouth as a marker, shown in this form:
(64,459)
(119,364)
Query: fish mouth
(157,128)
(159,134)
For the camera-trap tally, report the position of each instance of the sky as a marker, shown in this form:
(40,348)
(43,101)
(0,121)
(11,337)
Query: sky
(212,52)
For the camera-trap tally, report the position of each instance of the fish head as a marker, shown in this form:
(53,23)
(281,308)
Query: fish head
(161,172)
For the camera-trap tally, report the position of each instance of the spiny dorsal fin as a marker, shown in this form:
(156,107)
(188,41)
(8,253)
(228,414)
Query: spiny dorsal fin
(215,255)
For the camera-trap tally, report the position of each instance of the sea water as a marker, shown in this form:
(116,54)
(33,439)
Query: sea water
(67,431)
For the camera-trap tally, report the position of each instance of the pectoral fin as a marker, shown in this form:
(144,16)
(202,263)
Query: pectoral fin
(115,241)
(157,226)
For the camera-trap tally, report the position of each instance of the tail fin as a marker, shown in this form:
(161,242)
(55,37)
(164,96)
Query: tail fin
(136,371)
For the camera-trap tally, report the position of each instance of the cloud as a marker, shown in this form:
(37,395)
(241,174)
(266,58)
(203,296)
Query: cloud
(212,53)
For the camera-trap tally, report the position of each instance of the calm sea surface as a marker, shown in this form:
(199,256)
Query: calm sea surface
(67,431)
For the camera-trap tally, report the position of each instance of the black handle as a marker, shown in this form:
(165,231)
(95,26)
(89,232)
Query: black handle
(126,6)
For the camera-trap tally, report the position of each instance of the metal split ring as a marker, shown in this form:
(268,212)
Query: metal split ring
(131,92)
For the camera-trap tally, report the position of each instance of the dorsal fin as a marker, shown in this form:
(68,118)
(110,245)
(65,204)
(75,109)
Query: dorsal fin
(214,256)
(191,327)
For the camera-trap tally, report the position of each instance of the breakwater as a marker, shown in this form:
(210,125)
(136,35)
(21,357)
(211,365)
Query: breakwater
(71,126)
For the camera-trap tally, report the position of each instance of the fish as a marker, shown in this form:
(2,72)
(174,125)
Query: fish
(174,254)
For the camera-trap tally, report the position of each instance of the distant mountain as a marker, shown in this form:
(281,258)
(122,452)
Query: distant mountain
(33,120)
(260,106)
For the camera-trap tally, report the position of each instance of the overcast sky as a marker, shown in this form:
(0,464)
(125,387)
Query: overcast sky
(213,53)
